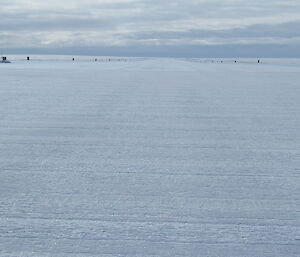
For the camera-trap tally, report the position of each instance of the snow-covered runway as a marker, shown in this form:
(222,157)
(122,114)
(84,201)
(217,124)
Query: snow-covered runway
(155,157)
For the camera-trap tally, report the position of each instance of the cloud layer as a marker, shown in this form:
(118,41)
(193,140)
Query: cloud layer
(125,23)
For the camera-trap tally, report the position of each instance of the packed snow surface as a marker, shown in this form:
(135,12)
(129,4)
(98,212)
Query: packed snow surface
(149,157)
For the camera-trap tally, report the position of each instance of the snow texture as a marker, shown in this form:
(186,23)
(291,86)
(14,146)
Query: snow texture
(149,157)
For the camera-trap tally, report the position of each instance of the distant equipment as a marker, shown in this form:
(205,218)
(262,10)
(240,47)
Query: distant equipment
(4,60)
(28,58)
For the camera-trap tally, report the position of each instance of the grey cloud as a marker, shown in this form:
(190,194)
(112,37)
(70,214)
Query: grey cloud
(147,22)
(55,21)
(284,30)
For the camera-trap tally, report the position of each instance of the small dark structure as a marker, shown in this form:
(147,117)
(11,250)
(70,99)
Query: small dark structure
(258,61)
(73,59)
(4,60)
(28,58)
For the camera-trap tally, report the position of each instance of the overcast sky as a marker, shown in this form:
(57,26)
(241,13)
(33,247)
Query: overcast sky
(152,26)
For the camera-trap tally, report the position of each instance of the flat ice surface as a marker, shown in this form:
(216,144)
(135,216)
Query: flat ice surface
(149,157)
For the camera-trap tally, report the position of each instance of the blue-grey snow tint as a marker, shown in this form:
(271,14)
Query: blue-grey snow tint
(149,157)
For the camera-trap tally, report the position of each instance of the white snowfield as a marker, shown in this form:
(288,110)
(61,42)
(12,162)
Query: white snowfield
(150,157)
